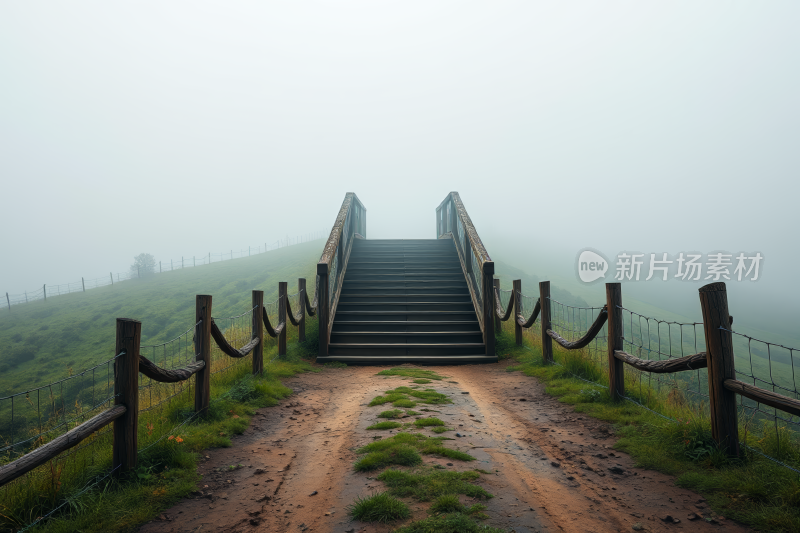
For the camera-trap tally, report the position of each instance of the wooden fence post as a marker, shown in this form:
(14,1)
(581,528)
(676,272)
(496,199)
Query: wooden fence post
(515,290)
(83,284)
(112,277)
(497,323)
(323,308)
(282,298)
(719,353)
(257,331)
(44,288)
(8,301)
(202,347)
(301,329)
(616,367)
(126,392)
(487,279)
(544,302)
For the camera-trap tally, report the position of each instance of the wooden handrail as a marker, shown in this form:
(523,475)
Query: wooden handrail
(778,401)
(338,227)
(163,375)
(73,437)
(689,362)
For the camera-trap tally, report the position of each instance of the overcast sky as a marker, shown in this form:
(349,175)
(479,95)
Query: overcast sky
(179,128)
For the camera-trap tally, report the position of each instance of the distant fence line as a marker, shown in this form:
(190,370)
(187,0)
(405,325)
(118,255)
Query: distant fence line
(49,291)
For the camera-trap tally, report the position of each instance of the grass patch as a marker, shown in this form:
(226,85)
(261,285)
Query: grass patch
(399,454)
(450,523)
(378,508)
(393,413)
(386,425)
(441,429)
(421,381)
(426,483)
(404,449)
(406,397)
(425,422)
(335,364)
(418,373)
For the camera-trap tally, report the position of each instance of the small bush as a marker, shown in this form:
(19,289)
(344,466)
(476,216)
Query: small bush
(378,508)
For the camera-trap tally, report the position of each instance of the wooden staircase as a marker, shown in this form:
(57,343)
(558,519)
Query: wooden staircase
(405,301)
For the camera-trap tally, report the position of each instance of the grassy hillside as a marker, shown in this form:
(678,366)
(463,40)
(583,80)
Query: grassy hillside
(44,341)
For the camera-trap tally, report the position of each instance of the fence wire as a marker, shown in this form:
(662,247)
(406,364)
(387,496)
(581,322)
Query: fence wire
(660,340)
(769,366)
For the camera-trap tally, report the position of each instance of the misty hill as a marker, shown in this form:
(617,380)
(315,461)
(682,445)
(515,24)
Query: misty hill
(41,341)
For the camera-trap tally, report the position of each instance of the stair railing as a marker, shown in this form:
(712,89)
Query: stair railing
(351,221)
(453,222)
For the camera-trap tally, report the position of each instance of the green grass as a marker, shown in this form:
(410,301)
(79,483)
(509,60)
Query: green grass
(422,381)
(426,483)
(450,523)
(41,341)
(440,429)
(414,373)
(406,397)
(72,332)
(378,508)
(393,413)
(752,489)
(386,425)
(404,449)
(167,471)
(432,421)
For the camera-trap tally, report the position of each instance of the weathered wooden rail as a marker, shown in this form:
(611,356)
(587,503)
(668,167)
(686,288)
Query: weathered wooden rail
(351,224)
(718,356)
(453,222)
(129,363)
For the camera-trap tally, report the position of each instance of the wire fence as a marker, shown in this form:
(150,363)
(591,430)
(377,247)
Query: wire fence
(34,417)
(50,291)
(765,431)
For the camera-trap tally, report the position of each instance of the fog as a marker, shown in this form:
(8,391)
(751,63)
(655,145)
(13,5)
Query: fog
(184,128)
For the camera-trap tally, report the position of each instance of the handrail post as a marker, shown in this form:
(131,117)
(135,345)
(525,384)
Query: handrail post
(202,348)
(488,306)
(301,291)
(498,326)
(544,302)
(257,331)
(282,295)
(719,354)
(516,293)
(126,392)
(616,367)
(323,309)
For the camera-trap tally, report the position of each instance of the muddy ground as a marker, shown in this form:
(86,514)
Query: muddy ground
(553,469)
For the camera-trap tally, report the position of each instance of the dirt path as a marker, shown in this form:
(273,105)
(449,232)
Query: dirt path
(554,470)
